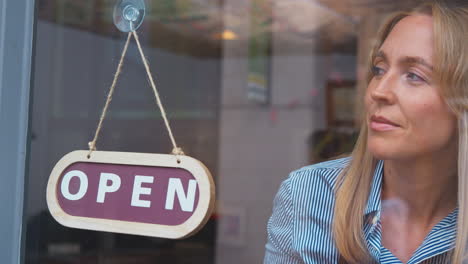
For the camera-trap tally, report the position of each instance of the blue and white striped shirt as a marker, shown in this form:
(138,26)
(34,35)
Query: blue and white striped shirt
(300,228)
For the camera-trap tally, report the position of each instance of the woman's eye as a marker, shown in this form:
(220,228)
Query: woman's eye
(414,77)
(377,71)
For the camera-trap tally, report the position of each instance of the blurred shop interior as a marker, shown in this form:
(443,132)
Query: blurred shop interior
(253,88)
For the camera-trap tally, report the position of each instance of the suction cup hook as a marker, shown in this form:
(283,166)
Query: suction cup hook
(129,14)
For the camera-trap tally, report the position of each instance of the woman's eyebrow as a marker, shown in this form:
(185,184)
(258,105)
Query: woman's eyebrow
(416,60)
(406,60)
(381,54)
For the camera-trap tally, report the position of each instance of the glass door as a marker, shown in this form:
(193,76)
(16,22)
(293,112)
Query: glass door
(254,89)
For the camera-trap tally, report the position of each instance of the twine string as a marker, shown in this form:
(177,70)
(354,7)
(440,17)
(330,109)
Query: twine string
(175,150)
(92,144)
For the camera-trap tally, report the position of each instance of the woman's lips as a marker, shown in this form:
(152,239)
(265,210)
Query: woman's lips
(379,123)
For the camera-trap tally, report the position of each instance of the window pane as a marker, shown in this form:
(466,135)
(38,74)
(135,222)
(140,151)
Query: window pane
(254,89)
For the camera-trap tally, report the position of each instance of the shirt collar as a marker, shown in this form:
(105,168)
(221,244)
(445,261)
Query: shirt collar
(444,231)
(373,203)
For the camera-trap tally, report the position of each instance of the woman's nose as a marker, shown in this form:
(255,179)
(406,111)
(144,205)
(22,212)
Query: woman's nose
(383,89)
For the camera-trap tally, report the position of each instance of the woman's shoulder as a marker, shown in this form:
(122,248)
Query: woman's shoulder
(338,163)
(323,173)
(300,227)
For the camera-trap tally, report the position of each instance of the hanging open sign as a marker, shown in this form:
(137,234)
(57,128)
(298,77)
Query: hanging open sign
(156,195)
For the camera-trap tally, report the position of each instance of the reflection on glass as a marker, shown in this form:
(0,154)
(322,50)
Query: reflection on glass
(77,50)
(252,88)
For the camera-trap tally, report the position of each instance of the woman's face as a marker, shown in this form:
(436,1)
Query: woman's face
(406,116)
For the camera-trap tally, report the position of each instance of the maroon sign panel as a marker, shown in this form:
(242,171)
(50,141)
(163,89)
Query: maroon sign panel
(134,193)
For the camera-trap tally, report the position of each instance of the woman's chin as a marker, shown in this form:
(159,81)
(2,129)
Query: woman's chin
(382,152)
(380,155)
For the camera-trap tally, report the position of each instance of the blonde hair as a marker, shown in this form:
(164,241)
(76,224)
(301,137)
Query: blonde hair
(451,71)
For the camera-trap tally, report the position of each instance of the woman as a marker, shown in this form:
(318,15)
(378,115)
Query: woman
(402,196)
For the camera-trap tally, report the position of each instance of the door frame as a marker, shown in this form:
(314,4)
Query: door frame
(17,28)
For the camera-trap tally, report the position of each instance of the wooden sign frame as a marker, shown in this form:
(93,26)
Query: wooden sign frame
(192,225)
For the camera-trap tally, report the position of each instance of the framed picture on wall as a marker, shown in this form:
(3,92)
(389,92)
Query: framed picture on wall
(259,57)
(232,225)
(341,103)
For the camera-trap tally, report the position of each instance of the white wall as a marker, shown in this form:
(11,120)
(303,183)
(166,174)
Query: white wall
(260,145)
